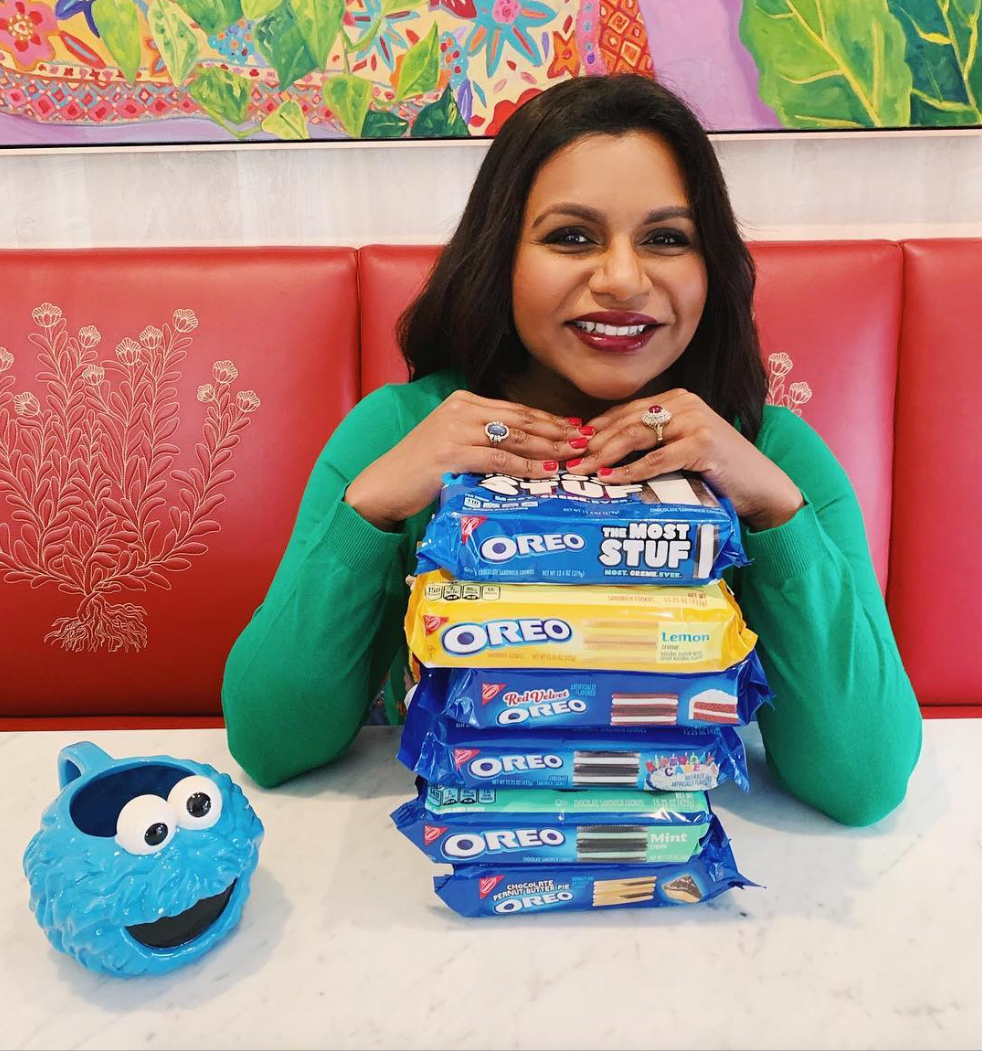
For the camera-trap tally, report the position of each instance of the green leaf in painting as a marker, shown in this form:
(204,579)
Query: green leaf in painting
(383,125)
(256,9)
(222,94)
(176,41)
(119,26)
(944,58)
(213,15)
(829,63)
(286,122)
(420,68)
(389,6)
(348,98)
(320,23)
(279,39)
(440,120)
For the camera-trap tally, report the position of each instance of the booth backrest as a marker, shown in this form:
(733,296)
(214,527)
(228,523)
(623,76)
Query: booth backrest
(144,507)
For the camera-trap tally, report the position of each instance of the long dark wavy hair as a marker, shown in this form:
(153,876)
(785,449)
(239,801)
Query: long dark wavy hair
(463,317)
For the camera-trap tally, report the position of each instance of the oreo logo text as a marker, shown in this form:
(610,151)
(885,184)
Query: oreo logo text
(500,549)
(466,639)
(466,845)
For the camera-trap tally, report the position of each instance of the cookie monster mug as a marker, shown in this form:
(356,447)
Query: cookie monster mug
(140,864)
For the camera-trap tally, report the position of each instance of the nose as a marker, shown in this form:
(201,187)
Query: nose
(619,273)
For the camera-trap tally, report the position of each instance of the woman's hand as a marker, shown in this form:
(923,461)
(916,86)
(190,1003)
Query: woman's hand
(452,438)
(695,439)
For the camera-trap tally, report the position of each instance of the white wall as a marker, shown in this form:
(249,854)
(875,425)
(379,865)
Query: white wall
(882,185)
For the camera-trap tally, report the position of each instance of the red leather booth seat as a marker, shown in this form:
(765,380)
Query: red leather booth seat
(178,482)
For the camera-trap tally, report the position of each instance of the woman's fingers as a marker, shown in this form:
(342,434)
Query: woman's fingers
(610,446)
(500,460)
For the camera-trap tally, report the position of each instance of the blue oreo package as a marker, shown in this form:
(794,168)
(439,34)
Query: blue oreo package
(485,890)
(554,698)
(576,529)
(534,825)
(671,759)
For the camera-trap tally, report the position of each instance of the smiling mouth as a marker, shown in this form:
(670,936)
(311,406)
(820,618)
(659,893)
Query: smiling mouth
(613,338)
(171,931)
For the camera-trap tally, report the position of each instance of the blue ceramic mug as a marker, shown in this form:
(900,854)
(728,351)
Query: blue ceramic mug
(140,864)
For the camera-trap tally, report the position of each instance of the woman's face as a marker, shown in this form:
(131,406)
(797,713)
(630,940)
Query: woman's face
(607,240)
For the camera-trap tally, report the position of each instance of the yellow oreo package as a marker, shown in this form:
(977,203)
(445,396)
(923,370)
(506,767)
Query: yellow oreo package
(452,624)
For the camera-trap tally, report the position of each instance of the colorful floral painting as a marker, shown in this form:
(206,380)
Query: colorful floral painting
(139,71)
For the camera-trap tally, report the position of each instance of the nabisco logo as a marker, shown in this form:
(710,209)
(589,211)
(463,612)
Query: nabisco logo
(463,755)
(468,523)
(431,833)
(432,624)
(487,884)
(490,690)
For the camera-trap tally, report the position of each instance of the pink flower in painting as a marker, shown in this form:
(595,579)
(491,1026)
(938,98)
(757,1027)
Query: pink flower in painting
(506,11)
(6,359)
(24,31)
(206,392)
(93,374)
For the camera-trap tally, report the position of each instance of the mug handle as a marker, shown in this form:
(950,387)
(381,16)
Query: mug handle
(79,760)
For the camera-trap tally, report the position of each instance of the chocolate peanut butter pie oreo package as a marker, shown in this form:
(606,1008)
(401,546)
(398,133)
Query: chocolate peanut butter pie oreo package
(498,890)
(530,698)
(577,529)
(518,826)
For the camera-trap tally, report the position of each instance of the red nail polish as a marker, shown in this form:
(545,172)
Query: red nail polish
(574,463)
(575,421)
(604,471)
(578,443)
(550,465)
(588,431)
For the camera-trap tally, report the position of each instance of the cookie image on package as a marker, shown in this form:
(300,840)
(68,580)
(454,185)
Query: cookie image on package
(714,706)
(683,889)
(644,709)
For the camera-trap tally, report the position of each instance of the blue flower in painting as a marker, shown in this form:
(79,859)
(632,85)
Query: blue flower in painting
(388,41)
(69,8)
(501,22)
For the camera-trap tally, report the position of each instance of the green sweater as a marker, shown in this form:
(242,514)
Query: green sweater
(843,735)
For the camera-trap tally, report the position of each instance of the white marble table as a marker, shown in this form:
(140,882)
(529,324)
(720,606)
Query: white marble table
(864,938)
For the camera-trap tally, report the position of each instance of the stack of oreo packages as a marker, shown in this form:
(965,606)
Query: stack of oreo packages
(582,669)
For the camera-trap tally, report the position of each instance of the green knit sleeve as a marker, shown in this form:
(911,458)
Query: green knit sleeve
(845,731)
(300,676)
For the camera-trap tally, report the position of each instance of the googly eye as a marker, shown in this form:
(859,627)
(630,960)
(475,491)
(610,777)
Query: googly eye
(145,825)
(197,802)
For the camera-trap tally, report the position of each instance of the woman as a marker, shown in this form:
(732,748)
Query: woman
(597,271)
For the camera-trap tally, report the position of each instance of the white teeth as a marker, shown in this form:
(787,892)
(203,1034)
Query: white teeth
(610,330)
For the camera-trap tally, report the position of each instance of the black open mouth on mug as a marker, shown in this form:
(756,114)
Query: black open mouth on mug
(171,931)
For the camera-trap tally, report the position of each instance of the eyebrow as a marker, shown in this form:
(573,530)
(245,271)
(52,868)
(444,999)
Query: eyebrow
(581,210)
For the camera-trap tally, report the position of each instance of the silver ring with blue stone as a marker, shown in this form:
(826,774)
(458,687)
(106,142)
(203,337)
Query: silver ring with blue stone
(496,431)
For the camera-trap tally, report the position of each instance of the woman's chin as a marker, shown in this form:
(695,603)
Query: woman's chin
(611,388)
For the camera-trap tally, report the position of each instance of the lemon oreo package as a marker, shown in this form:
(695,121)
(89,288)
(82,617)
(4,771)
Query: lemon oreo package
(654,628)
(577,529)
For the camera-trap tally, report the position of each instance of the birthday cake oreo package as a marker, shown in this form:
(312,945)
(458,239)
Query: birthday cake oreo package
(574,529)
(530,698)
(671,759)
(521,826)
(493,890)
